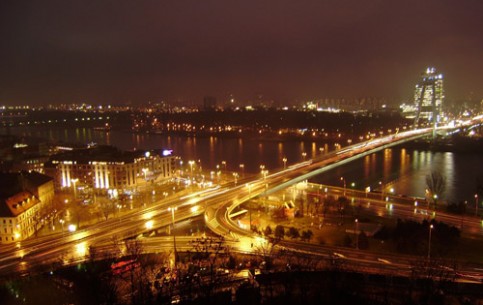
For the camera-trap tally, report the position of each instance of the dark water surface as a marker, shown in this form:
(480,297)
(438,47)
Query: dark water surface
(402,169)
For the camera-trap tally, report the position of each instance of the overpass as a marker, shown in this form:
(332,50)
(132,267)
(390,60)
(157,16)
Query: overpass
(218,218)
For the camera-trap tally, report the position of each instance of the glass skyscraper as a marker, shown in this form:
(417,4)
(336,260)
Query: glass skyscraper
(428,96)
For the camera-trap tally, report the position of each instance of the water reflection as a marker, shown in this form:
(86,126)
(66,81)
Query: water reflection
(404,169)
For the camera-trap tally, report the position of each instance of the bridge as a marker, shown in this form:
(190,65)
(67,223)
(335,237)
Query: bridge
(216,204)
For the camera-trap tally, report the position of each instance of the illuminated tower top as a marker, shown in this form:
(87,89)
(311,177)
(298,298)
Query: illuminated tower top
(429,95)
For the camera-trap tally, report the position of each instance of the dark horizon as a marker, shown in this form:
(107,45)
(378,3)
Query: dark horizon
(118,51)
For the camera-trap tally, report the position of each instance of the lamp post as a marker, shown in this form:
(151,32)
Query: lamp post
(284,162)
(344,183)
(242,167)
(224,164)
(172,209)
(235,176)
(62,224)
(304,154)
(74,182)
(357,233)
(264,174)
(476,204)
(191,162)
(429,241)
(249,186)
(262,169)
(382,189)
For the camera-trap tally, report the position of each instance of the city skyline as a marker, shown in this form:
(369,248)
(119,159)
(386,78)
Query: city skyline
(56,52)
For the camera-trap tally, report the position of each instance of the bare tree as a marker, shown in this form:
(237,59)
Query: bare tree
(107,207)
(137,274)
(212,253)
(436,185)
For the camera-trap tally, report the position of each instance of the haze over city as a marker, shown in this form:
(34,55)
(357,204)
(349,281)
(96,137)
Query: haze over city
(179,51)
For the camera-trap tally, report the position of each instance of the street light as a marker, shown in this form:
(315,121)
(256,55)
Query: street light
(476,204)
(304,154)
(357,230)
(242,167)
(172,209)
(343,181)
(429,241)
(74,182)
(191,162)
(62,223)
(284,162)
(382,189)
(235,176)
(224,164)
(149,224)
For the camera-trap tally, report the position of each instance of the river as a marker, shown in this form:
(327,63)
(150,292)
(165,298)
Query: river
(403,170)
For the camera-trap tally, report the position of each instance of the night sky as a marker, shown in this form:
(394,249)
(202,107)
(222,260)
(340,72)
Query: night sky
(102,51)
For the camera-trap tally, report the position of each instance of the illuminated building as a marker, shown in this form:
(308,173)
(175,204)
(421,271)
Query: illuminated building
(24,198)
(106,167)
(428,96)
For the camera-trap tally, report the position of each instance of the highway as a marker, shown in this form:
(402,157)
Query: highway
(216,203)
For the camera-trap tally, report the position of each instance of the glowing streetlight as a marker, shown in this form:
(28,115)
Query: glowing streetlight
(149,224)
(62,224)
(235,176)
(145,170)
(191,162)
(72,228)
(242,167)
(224,164)
(429,241)
(382,189)
(284,162)
(344,183)
(304,154)
(172,209)
(357,230)
(476,204)
(74,182)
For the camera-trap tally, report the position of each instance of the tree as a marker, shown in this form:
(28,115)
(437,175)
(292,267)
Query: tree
(209,253)
(436,185)
(137,276)
(347,242)
(363,241)
(107,207)
(267,231)
(279,232)
(293,232)
(307,235)
(342,202)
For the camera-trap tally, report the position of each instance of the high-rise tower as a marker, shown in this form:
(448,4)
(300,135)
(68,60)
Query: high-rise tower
(428,96)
